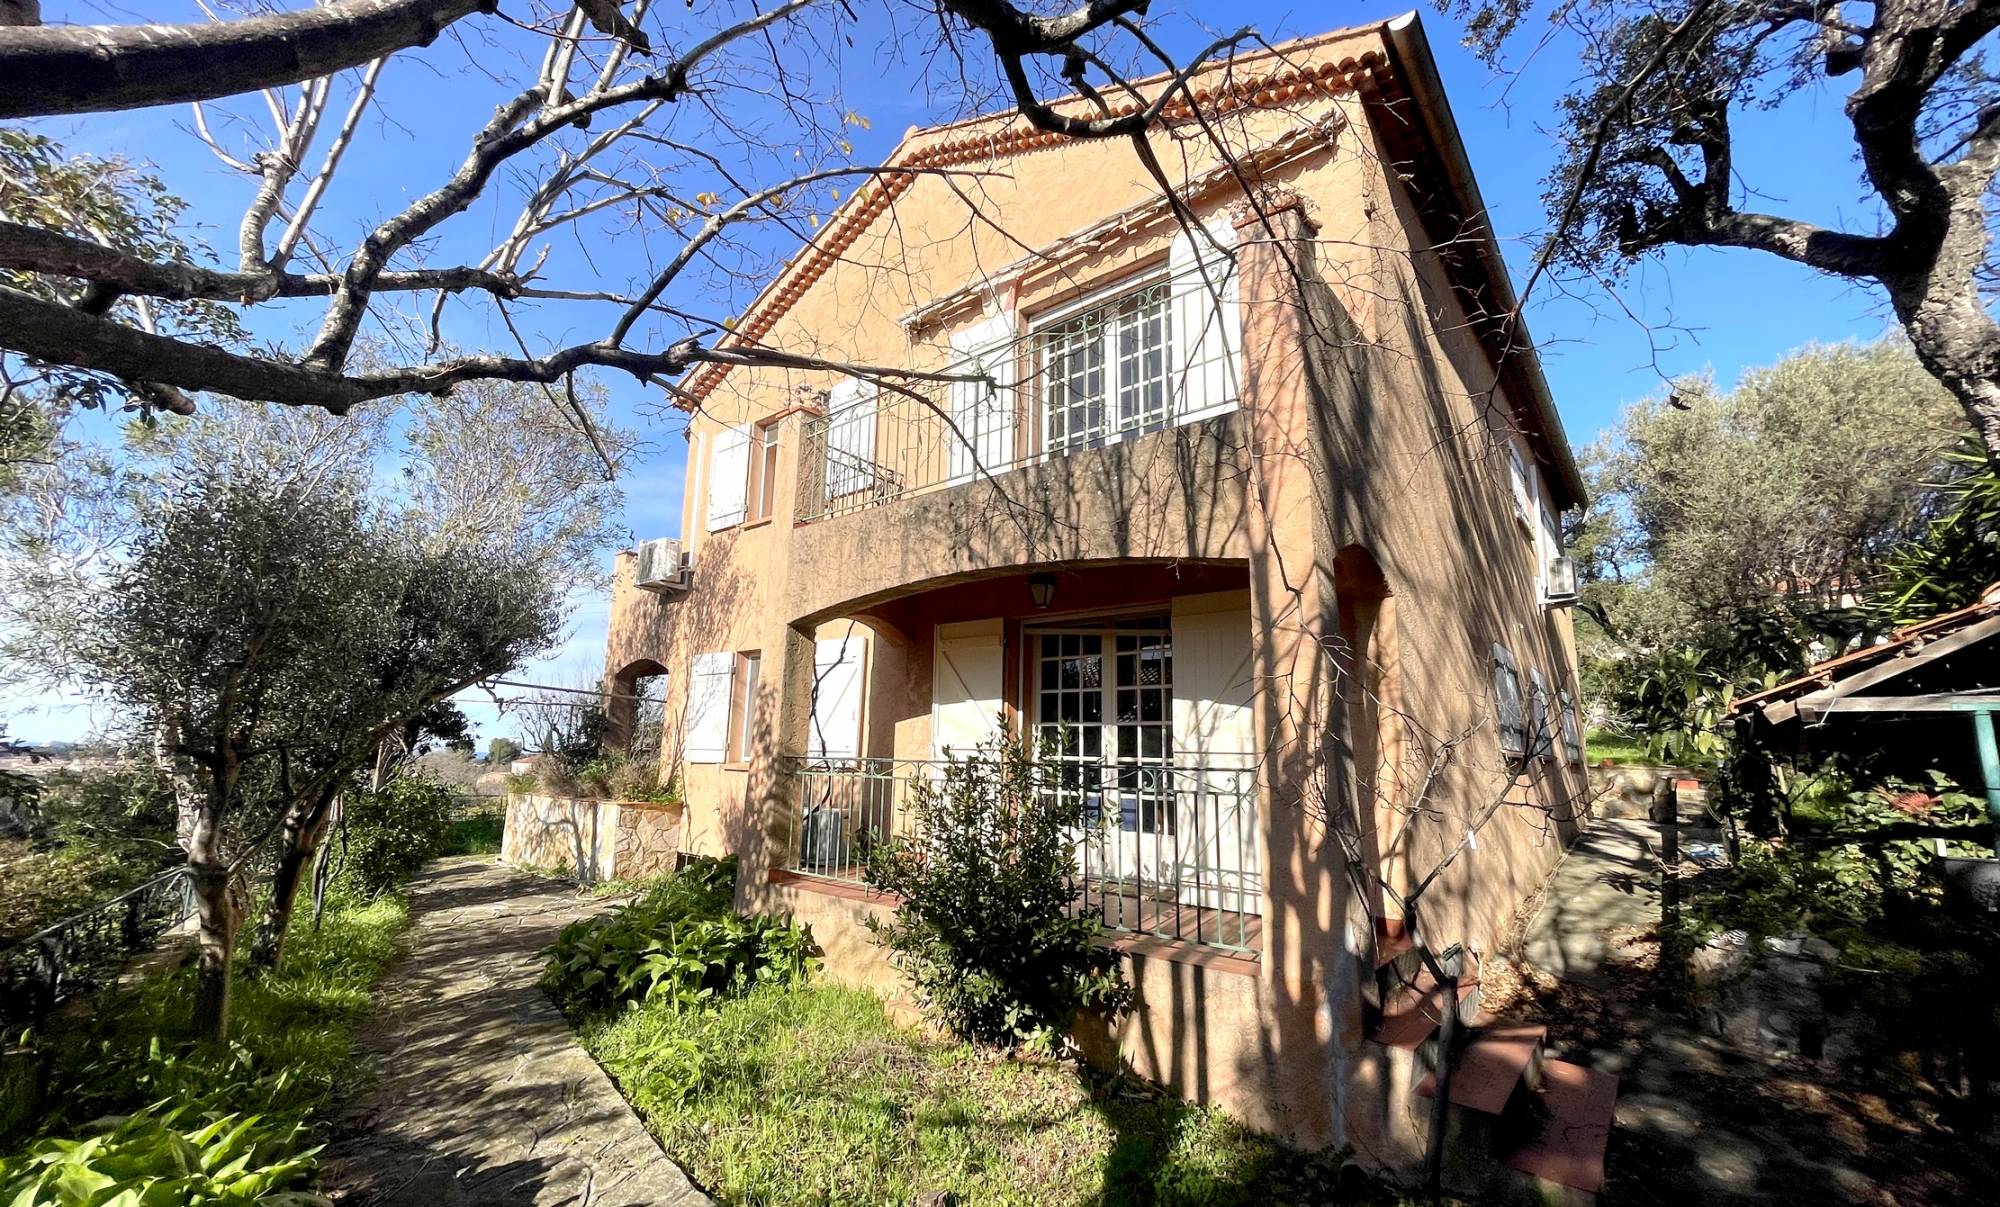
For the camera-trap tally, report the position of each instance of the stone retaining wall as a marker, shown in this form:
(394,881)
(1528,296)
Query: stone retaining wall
(594,839)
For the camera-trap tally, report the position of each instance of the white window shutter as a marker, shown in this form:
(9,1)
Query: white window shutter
(1207,320)
(836,704)
(1518,481)
(984,414)
(850,437)
(707,721)
(1550,546)
(966,688)
(1513,725)
(728,478)
(1541,743)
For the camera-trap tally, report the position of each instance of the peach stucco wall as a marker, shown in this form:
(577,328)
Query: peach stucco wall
(1370,421)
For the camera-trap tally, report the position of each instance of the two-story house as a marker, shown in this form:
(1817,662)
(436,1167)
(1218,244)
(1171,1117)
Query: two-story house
(1242,499)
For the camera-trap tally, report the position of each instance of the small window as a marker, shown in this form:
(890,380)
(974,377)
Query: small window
(1572,728)
(743,707)
(763,493)
(1507,704)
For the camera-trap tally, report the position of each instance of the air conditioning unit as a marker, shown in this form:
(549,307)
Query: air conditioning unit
(663,567)
(1561,588)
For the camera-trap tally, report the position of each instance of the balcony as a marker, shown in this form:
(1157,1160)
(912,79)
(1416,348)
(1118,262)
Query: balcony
(1106,370)
(1166,851)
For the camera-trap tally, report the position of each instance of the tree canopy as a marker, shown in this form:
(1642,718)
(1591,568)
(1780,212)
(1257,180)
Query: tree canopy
(1749,527)
(1650,131)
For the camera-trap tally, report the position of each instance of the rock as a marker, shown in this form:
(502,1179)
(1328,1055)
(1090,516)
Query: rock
(936,1198)
(1816,948)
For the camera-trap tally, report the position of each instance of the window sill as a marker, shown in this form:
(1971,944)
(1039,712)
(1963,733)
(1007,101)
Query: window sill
(762,522)
(735,767)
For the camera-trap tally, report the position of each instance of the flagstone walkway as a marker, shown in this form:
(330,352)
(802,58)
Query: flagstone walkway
(473,1089)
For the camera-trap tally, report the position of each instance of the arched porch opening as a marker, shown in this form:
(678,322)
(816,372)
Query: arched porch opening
(635,708)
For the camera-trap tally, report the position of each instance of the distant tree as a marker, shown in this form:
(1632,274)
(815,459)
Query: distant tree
(501,751)
(1655,155)
(1741,527)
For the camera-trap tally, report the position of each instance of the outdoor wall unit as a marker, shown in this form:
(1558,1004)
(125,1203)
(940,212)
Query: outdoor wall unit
(663,567)
(1561,588)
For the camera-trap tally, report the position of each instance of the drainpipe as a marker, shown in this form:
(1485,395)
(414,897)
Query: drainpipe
(1989,765)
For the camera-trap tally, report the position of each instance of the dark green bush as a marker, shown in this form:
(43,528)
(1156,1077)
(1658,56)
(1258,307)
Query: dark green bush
(986,929)
(680,941)
(161,1157)
(389,835)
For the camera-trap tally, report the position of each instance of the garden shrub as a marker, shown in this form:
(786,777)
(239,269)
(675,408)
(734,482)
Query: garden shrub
(388,836)
(986,930)
(159,1157)
(680,941)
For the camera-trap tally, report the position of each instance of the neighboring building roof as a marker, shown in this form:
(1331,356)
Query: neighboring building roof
(1907,649)
(1404,81)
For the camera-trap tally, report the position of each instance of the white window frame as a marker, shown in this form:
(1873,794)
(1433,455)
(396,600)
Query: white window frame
(1044,326)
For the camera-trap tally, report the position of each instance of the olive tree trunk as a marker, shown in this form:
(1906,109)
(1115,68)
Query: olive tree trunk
(304,830)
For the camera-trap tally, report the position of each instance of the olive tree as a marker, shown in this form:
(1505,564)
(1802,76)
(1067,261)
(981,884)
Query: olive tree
(218,635)
(1654,152)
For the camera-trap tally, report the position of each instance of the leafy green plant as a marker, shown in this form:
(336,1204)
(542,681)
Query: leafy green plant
(391,834)
(161,1157)
(986,929)
(679,942)
(522,783)
(1958,555)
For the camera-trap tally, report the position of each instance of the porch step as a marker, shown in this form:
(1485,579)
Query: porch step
(1579,1103)
(1491,1064)
(1413,1014)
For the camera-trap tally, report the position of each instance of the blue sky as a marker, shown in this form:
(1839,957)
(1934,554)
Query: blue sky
(1713,311)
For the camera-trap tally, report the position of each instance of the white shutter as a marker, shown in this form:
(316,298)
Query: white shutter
(1215,746)
(965,687)
(1213,722)
(707,721)
(850,437)
(728,477)
(836,704)
(1207,320)
(1517,480)
(1550,546)
(1541,743)
(984,414)
(1507,708)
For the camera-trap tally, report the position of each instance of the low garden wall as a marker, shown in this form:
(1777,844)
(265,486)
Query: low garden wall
(594,839)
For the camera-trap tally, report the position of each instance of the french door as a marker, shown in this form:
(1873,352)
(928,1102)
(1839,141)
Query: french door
(1103,707)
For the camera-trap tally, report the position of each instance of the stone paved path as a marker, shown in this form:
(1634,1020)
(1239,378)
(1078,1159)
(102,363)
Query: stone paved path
(475,1089)
(1606,884)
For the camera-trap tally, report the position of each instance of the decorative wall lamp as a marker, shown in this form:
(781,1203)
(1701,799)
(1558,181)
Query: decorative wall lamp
(1042,589)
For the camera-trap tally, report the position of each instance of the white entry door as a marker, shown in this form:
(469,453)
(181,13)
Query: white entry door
(1214,740)
(1103,713)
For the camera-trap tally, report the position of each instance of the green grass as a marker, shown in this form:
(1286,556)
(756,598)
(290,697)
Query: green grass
(800,1094)
(291,1036)
(476,834)
(1601,744)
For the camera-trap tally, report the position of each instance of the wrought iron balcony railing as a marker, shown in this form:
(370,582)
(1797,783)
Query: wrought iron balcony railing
(1171,851)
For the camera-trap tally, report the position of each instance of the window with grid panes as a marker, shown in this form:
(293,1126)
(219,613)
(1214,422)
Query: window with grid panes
(1110,734)
(1105,372)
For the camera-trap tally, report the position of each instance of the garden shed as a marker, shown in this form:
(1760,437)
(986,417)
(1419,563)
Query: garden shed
(1923,699)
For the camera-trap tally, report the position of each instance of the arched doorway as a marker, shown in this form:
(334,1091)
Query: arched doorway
(635,709)
(1370,696)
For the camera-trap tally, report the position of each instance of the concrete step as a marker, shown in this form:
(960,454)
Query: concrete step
(1492,1065)
(1578,1104)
